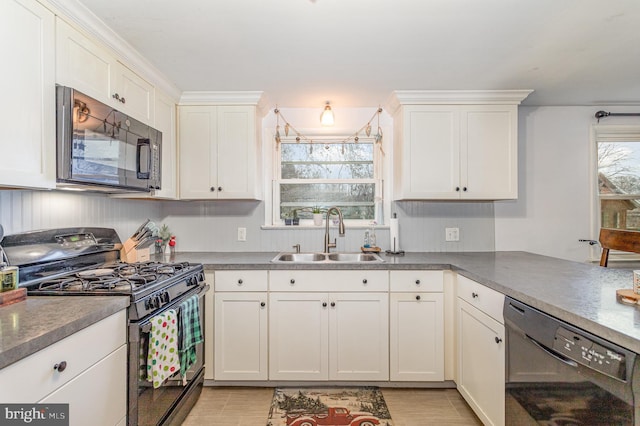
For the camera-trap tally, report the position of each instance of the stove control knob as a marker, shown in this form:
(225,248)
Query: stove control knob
(165,297)
(193,281)
(157,300)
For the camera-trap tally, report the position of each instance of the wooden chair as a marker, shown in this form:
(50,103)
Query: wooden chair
(618,239)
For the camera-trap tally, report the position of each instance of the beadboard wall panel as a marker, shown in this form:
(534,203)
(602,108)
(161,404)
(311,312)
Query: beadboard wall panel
(22,211)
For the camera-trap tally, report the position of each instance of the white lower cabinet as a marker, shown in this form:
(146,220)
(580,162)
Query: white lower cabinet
(298,336)
(112,397)
(329,335)
(240,336)
(93,381)
(240,330)
(416,323)
(481,350)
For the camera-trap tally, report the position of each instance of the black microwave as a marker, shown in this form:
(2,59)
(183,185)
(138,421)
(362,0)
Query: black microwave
(101,149)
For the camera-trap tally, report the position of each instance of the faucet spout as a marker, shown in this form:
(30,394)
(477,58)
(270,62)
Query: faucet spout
(327,240)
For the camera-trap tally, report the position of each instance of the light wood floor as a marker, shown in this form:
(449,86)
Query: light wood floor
(226,406)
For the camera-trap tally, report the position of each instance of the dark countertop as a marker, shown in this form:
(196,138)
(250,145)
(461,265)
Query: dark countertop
(579,293)
(37,322)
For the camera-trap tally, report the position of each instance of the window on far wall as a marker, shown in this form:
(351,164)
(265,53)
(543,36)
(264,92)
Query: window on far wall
(327,173)
(618,150)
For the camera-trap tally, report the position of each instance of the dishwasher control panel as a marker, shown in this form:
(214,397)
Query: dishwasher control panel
(586,352)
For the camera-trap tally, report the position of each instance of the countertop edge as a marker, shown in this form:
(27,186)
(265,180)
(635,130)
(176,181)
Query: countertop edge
(37,337)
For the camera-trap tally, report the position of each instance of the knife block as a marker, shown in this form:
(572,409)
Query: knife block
(131,254)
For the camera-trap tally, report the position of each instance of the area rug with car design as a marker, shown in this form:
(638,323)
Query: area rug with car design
(352,406)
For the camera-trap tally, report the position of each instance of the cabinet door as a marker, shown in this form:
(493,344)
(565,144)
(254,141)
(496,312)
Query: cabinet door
(103,407)
(82,64)
(28,95)
(240,336)
(481,363)
(165,121)
(298,336)
(417,336)
(358,336)
(430,159)
(489,157)
(236,152)
(136,95)
(197,146)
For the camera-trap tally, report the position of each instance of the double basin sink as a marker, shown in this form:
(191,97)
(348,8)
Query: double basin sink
(327,258)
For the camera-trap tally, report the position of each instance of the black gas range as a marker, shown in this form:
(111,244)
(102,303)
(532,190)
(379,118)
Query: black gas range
(85,262)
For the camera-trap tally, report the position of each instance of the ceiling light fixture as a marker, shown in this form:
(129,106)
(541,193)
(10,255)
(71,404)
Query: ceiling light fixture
(326,118)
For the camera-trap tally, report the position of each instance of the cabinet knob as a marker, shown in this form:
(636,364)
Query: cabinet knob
(292,281)
(324,304)
(262,304)
(60,367)
(457,188)
(240,281)
(212,189)
(333,304)
(417,282)
(364,281)
(498,340)
(116,97)
(464,189)
(418,297)
(219,188)
(123,100)
(474,295)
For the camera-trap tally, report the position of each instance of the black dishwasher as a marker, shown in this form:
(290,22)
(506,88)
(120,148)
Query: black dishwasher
(557,374)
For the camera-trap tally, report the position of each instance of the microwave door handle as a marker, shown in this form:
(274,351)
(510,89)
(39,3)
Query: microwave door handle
(141,144)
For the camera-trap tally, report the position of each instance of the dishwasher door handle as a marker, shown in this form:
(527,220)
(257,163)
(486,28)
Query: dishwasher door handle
(553,353)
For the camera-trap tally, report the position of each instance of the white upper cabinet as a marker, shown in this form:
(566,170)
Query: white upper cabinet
(456,145)
(219,152)
(90,68)
(28,96)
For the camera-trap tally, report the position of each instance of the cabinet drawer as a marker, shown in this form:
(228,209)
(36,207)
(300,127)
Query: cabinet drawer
(34,378)
(487,300)
(333,280)
(240,280)
(426,281)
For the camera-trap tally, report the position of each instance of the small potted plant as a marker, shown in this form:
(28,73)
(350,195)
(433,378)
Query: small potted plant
(317,215)
(295,220)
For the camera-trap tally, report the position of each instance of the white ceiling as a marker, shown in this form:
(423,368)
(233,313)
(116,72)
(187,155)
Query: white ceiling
(355,53)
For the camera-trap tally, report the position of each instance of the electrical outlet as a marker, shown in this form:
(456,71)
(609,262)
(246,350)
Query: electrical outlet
(452,234)
(242,234)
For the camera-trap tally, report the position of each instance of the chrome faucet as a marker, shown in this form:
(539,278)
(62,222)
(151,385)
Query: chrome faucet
(327,244)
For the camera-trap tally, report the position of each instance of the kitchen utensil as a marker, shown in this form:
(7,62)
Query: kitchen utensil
(139,230)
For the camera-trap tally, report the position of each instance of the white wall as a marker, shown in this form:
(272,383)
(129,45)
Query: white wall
(555,207)
(22,211)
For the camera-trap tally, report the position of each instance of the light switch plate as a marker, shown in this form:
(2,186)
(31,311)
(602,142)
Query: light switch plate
(452,234)
(242,234)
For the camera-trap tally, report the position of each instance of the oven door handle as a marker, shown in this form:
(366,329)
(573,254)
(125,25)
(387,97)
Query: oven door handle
(145,326)
(553,353)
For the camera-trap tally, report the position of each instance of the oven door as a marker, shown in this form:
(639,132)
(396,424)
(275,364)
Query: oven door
(171,402)
(547,387)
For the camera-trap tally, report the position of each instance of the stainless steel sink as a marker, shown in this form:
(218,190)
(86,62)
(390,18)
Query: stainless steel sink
(299,257)
(327,258)
(354,257)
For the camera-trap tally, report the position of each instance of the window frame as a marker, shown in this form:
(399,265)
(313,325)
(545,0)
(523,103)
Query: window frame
(609,133)
(320,141)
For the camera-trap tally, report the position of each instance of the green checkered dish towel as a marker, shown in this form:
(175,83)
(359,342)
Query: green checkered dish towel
(190,333)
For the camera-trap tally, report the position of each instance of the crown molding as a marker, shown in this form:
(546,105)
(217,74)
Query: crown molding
(456,97)
(222,98)
(79,16)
